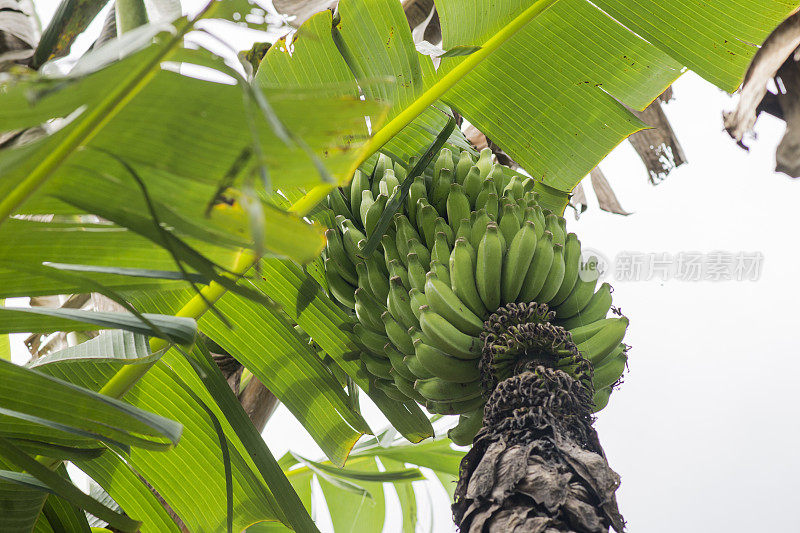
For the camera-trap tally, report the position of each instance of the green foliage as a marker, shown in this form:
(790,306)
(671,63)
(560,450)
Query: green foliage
(138,180)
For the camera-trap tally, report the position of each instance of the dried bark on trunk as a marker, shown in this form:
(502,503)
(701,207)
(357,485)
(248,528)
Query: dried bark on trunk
(536,465)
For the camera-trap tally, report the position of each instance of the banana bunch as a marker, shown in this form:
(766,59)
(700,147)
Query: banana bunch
(469,238)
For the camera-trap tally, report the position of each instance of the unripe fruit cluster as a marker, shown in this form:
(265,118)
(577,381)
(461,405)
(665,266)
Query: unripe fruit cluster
(469,238)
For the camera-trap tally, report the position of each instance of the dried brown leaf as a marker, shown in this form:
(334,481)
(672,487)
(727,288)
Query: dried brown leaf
(605,194)
(777,48)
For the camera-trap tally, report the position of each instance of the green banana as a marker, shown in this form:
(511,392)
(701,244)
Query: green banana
(351,236)
(457,206)
(441,249)
(439,390)
(583,333)
(445,160)
(600,399)
(489,266)
(443,335)
(455,407)
(381,165)
(340,289)
(464,230)
(362,276)
(396,360)
(388,182)
(580,295)
(509,224)
(441,188)
(390,251)
(399,303)
(468,426)
(484,162)
(602,343)
(514,188)
(443,227)
(373,214)
(358,184)
(519,260)
(377,366)
(536,276)
(397,334)
(336,252)
(445,366)
(487,187)
(479,225)
(614,353)
(462,277)
(463,166)
(389,389)
(416,192)
(416,272)
(339,204)
(405,233)
(610,372)
(415,366)
(440,271)
(378,282)
(492,206)
(426,221)
(572,263)
(555,276)
(366,202)
(444,301)
(469,237)
(406,386)
(368,310)
(552,225)
(396,268)
(414,246)
(596,309)
(472,185)
(527,185)
(418,300)
(368,339)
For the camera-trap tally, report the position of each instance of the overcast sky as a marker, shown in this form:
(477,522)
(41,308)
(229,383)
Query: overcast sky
(704,430)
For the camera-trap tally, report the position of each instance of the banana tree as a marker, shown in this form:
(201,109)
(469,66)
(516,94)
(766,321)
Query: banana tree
(198,198)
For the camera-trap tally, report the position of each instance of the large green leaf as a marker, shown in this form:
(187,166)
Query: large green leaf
(43,478)
(168,141)
(77,410)
(304,300)
(356,505)
(19,505)
(267,344)
(373,65)
(120,345)
(46,320)
(550,92)
(196,462)
(90,361)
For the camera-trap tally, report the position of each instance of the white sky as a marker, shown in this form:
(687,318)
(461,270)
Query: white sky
(704,429)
